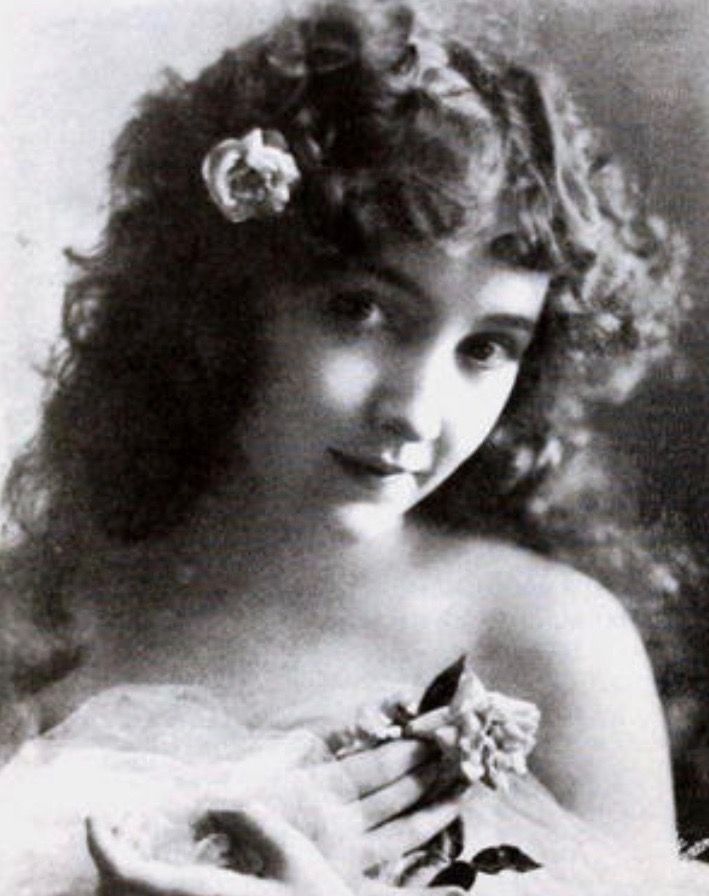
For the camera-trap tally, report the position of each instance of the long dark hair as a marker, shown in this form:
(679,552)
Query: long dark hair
(395,129)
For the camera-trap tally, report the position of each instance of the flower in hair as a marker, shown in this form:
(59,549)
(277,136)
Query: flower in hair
(250,177)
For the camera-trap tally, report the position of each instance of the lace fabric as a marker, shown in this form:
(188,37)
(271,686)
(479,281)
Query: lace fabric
(156,760)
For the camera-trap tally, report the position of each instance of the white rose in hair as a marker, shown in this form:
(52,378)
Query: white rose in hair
(250,177)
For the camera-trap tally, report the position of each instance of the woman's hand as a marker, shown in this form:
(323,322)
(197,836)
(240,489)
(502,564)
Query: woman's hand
(389,781)
(291,866)
(373,792)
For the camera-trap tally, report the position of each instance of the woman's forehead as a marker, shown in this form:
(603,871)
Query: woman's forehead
(430,280)
(468,246)
(495,216)
(473,276)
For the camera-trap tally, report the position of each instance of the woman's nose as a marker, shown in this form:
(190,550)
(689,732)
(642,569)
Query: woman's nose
(408,402)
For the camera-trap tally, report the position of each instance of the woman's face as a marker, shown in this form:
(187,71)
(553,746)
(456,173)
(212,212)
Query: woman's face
(384,377)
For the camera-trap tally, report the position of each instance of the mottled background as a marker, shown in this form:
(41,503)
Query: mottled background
(71,69)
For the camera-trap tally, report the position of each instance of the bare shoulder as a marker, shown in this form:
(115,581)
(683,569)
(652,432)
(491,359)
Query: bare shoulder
(555,636)
(549,605)
(509,595)
(551,629)
(518,586)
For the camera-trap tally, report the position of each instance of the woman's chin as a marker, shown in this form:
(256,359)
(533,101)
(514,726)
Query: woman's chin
(364,521)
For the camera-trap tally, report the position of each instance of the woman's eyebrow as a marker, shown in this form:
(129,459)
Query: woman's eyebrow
(368,269)
(396,278)
(402,281)
(361,268)
(510,321)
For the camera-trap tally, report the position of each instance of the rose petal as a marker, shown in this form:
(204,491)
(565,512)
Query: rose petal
(248,178)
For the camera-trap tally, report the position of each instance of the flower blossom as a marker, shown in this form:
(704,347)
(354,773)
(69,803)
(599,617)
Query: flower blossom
(250,177)
(488,735)
(482,735)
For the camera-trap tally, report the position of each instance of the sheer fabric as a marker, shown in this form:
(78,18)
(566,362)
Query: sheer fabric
(156,760)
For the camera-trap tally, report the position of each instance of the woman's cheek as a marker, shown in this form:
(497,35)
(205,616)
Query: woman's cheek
(346,378)
(484,407)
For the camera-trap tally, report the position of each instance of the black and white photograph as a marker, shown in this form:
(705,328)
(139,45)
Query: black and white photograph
(354,382)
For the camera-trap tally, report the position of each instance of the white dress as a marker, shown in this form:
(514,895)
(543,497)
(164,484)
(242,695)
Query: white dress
(154,759)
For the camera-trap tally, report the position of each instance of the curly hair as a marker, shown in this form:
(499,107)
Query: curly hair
(396,130)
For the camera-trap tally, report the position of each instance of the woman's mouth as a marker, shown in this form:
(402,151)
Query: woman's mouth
(370,470)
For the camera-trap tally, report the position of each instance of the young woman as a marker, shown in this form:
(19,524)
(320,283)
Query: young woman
(323,392)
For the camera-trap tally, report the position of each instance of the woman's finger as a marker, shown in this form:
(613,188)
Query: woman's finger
(125,873)
(429,721)
(408,832)
(370,770)
(388,802)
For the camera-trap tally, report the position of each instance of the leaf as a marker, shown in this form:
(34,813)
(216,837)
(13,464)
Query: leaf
(455,837)
(457,874)
(443,687)
(503,858)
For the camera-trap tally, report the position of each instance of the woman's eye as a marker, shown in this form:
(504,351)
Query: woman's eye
(357,309)
(489,350)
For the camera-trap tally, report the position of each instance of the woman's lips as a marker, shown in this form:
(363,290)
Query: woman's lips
(372,468)
(366,465)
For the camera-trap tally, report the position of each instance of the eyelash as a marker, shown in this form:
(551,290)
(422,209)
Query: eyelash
(508,348)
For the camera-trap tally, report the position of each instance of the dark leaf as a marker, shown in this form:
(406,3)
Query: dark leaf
(455,836)
(457,874)
(443,687)
(502,858)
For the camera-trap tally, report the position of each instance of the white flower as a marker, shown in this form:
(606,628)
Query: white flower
(250,177)
(496,732)
(486,735)
(374,725)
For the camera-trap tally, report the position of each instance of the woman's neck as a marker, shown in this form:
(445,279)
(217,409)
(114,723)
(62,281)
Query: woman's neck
(235,590)
(240,531)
